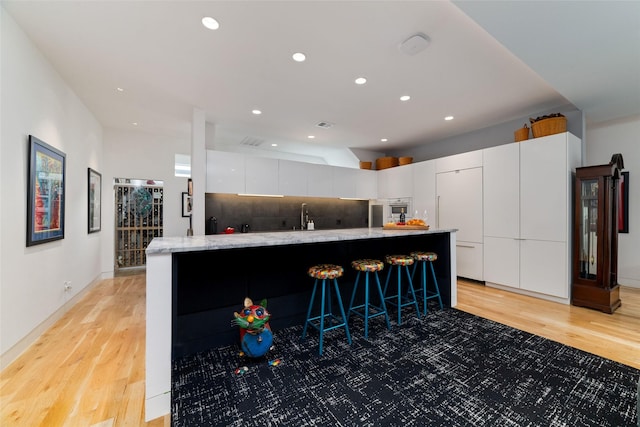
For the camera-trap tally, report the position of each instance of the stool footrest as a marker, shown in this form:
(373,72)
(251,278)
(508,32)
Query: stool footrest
(334,322)
(359,310)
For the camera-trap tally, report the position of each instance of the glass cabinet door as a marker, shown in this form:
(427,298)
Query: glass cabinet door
(589,230)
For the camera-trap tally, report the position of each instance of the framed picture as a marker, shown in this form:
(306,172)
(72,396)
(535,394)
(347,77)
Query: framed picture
(186,204)
(190,187)
(623,203)
(94,197)
(45,193)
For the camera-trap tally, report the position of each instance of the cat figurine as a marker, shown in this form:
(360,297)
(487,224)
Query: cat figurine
(255,333)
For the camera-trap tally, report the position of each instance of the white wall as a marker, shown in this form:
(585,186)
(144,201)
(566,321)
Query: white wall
(133,154)
(35,100)
(601,143)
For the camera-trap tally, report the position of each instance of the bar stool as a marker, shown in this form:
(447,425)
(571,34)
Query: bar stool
(368,310)
(326,320)
(401,262)
(423,258)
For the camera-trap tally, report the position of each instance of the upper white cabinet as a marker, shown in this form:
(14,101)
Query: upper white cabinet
(471,159)
(261,175)
(424,190)
(292,178)
(395,182)
(225,172)
(319,180)
(344,182)
(528,243)
(366,184)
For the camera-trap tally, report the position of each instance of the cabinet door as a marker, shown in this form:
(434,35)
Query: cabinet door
(501,191)
(544,267)
(366,184)
(395,182)
(502,261)
(543,188)
(424,190)
(292,178)
(344,182)
(459,203)
(468,160)
(261,175)
(225,172)
(319,180)
(469,256)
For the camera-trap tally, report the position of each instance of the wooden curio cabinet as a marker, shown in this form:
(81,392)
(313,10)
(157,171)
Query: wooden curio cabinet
(595,239)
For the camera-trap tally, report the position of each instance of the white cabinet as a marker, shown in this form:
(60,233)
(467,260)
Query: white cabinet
(292,178)
(225,172)
(459,206)
(528,242)
(261,175)
(344,182)
(395,182)
(366,184)
(468,160)
(424,190)
(319,180)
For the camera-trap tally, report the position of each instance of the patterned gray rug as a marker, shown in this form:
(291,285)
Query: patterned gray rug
(449,369)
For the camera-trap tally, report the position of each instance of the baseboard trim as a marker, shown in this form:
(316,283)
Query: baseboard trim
(10,356)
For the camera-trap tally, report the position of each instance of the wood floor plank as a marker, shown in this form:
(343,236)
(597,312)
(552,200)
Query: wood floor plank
(88,368)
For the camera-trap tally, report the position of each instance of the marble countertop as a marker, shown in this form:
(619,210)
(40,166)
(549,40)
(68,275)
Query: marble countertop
(163,245)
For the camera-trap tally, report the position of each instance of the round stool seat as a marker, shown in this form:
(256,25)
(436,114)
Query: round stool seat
(424,256)
(367,265)
(325,271)
(400,260)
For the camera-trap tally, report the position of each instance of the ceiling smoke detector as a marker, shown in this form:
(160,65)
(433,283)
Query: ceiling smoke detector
(414,44)
(325,125)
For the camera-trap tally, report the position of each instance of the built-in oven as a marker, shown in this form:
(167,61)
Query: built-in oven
(394,207)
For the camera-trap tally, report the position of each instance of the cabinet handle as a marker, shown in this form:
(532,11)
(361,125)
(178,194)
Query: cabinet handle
(465,246)
(438,212)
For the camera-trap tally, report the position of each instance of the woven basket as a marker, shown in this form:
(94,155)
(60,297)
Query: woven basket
(521,134)
(549,126)
(366,165)
(386,162)
(405,160)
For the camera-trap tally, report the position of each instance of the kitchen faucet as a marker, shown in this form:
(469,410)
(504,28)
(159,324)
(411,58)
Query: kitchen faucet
(303,218)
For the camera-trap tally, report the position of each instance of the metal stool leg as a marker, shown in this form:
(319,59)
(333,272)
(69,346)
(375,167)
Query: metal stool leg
(340,305)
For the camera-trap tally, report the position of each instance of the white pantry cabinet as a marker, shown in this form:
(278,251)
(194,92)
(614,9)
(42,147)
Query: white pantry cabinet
(459,205)
(225,172)
(424,190)
(528,244)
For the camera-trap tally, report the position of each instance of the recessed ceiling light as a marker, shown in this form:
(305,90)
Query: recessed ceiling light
(361,81)
(405,98)
(448,118)
(383,140)
(299,57)
(256,112)
(135,123)
(311,136)
(119,89)
(210,23)
(274,145)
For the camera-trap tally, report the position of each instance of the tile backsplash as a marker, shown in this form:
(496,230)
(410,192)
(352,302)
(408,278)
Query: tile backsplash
(282,213)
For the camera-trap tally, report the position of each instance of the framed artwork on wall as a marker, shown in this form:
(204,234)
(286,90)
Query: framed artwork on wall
(623,203)
(186,204)
(94,197)
(45,193)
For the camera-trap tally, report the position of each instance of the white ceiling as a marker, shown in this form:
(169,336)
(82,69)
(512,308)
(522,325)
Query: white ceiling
(511,60)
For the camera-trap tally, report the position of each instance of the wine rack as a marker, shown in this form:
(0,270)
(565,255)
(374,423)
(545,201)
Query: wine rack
(138,220)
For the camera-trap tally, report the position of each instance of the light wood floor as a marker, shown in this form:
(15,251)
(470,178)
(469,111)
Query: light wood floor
(88,369)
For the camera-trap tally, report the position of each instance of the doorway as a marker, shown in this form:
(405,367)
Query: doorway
(138,220)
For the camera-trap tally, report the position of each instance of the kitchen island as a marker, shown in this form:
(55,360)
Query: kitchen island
(195,283)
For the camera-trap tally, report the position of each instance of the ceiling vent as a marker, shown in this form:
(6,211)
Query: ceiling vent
(251,141)
(325,125)
(414,44)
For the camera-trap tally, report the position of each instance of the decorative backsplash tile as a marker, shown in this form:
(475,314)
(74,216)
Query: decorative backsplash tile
(282,213)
